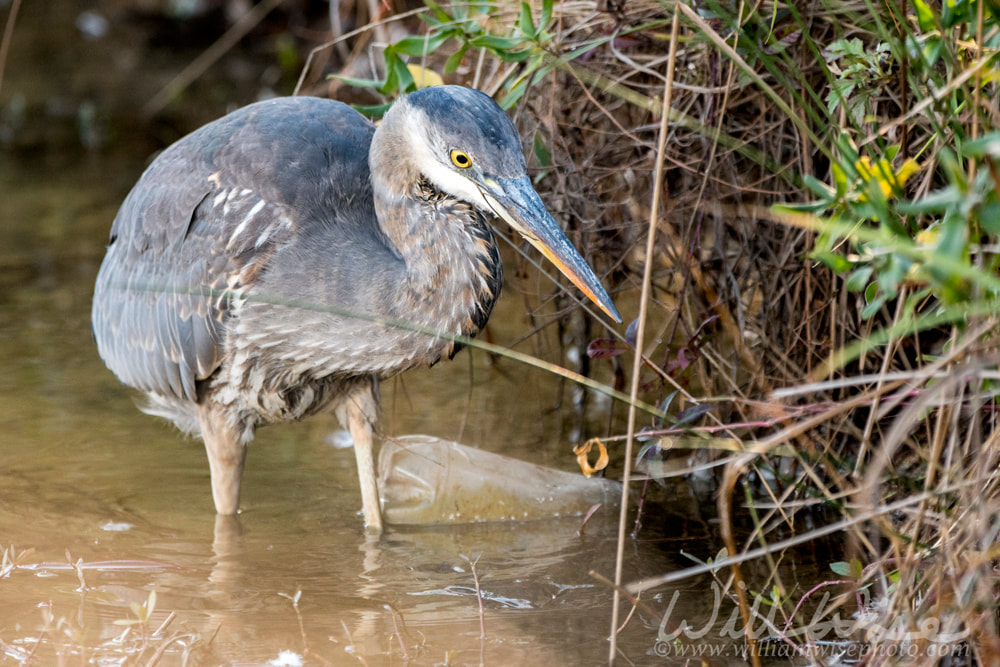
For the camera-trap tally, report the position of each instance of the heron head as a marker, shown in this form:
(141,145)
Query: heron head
(462,142)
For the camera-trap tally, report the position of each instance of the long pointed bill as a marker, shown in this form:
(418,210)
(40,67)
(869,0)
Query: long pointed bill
(514,200)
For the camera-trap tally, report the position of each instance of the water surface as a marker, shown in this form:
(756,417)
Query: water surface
(87,477)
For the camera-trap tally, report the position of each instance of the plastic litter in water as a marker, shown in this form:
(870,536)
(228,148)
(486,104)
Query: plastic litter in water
(426,480)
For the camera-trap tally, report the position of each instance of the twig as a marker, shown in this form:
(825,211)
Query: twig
(298,615)
(78,568)
(479,595)
(631,613)
(352,649)
(8,35)
(678,575)
(164,645)
(48,616)
(167,621)
(395,629)
(640,334)
(586,517)
(806,596)
(725,504)
(357,31)
(209,56)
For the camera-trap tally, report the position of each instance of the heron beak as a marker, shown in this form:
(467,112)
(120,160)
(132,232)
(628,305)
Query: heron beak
(515,200)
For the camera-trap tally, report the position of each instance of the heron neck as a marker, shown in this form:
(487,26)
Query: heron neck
(453,274)
(453,271)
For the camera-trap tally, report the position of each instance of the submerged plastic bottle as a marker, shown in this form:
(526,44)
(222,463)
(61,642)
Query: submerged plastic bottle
(426,480)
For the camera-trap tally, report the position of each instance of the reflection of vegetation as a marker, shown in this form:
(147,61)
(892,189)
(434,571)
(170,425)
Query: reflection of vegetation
(145,635)
(61,635)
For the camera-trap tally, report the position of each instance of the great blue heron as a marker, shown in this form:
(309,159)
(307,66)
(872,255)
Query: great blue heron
(288,256)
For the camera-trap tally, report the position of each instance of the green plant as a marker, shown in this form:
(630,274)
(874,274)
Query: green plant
(475,25)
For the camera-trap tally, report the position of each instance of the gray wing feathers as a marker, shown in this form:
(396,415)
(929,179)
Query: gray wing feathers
(155,316)
(203,221)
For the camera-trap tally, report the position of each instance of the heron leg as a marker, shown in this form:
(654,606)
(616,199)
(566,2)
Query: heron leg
(226,454)
(358,412)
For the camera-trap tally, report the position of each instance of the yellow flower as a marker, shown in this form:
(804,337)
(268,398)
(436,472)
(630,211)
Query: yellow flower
(888,179)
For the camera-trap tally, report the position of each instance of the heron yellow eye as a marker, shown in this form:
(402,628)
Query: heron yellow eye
(461,159)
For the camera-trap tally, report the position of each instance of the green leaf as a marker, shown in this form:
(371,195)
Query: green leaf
(847,47)
(495,43)
(432,21)
(524,23)
(954,12)
(542,153)
(989,217)
(455,59)
(839,178)
(532,65)
(357,83)
(818,187)
(372,110)
(546,17)
(513,56)
(872,307)
(840,92)
(865,210)
(858,279)
(952,239)
(541,72)
(515,94)
(832,260)
(932,51)
(645,449)
(870,292)
(938,201)
(398,77)
(692,413)
(665,403)
(986,145)
(406,82)
(417,45)
(439,13)
(841,568)
(654,466)
(925,17)
(891,274)
(954,170)
(816,207)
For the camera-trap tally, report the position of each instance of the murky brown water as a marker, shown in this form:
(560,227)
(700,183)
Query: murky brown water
(85,472)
